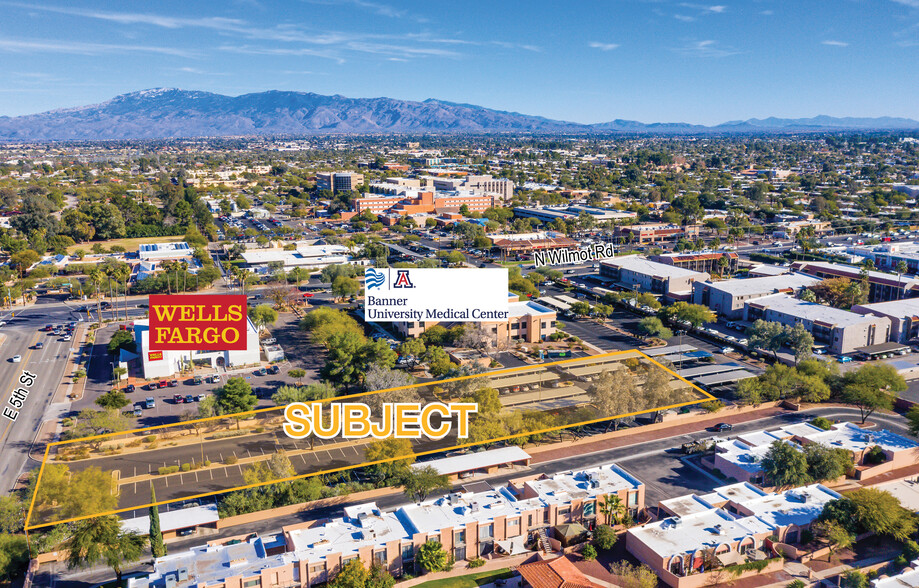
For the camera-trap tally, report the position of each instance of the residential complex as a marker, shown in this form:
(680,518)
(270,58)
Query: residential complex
(637,273)
(713,262)
(508,521)
(883,287)
(729,526)
(740,458)
(728,297)
(840,330)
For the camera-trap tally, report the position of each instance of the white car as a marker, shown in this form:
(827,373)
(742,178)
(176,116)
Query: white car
(16,358)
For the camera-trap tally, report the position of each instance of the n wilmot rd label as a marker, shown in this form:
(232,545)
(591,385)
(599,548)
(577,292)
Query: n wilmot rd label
(206,323)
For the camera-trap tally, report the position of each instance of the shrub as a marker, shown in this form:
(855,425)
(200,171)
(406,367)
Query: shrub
(910,549)
(230,459)
(796,584)
(875,455)
(207,463)
(225,434)
(712,405)
(168,470)
(589,553)
(149,438)
(824,423)
(476,563)
(67,422)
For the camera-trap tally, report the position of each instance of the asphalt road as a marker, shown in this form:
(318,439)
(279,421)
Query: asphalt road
(48,364)
(655,463)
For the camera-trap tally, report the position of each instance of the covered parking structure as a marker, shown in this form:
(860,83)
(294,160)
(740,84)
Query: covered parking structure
(669,350)
(554,303)
(882,349)
(468,464)
(723,378)
(704,370)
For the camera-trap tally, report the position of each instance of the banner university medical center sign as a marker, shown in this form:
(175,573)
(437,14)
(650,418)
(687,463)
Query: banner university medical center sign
(206,323)
(430,294)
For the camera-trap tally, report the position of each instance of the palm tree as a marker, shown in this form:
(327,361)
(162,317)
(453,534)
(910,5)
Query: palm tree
(95,276)
(183,266)
(902,268)
(167,267)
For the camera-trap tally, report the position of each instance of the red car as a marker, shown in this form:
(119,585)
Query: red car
(162,384)
(178,398)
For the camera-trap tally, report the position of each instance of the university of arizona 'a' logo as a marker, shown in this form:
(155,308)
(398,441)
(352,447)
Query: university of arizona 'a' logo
(402,280)
(374,278)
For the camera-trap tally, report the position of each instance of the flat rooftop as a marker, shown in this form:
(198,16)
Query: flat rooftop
(764,285)
(906,308)
(475,460)
(812,311)
(365,526)
(641,265)
(583,484)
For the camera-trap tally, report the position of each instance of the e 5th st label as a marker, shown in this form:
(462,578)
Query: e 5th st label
(18,396)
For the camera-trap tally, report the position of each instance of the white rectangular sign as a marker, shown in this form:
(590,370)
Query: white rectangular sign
(433,294)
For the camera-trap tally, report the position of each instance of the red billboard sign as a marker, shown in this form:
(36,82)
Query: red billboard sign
(154,355)
(192,322)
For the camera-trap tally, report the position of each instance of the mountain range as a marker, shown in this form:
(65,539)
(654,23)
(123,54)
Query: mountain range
(171,113)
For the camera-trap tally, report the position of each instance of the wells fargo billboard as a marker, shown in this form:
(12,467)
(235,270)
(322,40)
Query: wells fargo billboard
(185,322)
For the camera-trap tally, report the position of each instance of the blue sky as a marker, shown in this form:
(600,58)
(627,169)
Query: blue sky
(583,61)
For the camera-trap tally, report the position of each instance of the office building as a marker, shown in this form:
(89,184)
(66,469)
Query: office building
(410,201)
(903,315)
(883,287)
(527,321)
(304,256)
(647,234)
(709,262)
(841,330)
(164,251)
(339,181)
(637,273)
(727,297)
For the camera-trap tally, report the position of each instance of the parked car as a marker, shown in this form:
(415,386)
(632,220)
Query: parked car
(273,369)
(723,427)
(189,399)
(261,372)
(129,388)
(197,380)
(150,402)
(173,383)
(162,384)
(200,397)
(39,345)
(178,398)
(138,411)
(215,379)
(844,359)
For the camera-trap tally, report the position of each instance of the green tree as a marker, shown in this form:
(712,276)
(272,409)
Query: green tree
(343,287)
(784,465)
(855,579)
(297,374)
(121,340)
(101,540)
(113,399)
(588,552)
(354,575)
(235,397)
(432,557)
(652,326)
(836,536)
(343,363)
(438,361)
(290,394)
(800,341)
(768,336)
(14,556)
(413,347)
(694,314)
(262,316)
(912,416)
(418,483)
(879,511)
(605,537)
(488,401)
(633,576)
(387,450)
(12,514)
(827,463)
(872,387)
(580,308)
(157,547)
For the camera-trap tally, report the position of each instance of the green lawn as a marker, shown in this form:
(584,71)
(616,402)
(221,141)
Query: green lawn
(469,580)
(129,244)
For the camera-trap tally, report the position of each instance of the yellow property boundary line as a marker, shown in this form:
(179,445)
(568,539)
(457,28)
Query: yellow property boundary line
(708,397)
